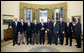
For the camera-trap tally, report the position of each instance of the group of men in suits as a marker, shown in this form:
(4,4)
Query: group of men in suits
(53,28)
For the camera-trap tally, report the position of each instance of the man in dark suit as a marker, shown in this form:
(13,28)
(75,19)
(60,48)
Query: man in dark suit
(28,31)
(78,33)
(61,31)
(35,31)
(21,32)
(68,29)
(49,31)
(42,31)
(55,31)
(15,27)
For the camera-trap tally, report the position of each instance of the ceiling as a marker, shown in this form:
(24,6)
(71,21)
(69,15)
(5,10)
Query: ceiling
(43,2)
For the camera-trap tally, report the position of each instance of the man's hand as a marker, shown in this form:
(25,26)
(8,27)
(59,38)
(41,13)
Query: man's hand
(63,32)
(47,29)
(19,32)
(25,31)
(57,31)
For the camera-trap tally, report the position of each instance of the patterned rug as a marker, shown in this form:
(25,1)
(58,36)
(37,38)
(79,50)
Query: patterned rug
(43,49)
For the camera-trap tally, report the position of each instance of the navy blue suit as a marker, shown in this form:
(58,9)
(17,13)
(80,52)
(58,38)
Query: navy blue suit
(61,29)
(55,30)
(49,33)
(42,32)
(68,31)
(15,32)
(22,27)
(28,32)
(78,34)
(35,29)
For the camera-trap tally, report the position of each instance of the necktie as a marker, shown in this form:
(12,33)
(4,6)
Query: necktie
(22,23)
(16,23)
(67,24)
(28,24)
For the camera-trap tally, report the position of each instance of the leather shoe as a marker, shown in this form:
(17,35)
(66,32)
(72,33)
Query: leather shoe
(13,44)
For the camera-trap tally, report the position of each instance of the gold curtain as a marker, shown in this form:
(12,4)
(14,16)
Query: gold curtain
(50,9)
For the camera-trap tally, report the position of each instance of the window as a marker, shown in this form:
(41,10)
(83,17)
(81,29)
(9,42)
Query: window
(27,14)
(58,13)
(43,15)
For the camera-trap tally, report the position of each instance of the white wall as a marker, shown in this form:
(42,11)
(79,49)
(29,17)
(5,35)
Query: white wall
(8,8)
(74,8)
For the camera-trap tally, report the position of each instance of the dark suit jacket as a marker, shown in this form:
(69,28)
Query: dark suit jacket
(50,26)
(70,28)
(35,28)
(78,28)
(22,27)
(40,27)
(56,28)
(61,27)
(28,29)
(15,28)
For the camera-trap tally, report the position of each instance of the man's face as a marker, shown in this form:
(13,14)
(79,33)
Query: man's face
(28,20)
(41,20)
(21,20)
(35,21)
(54,19)
(48,20)
(15,19)
(76,20)
(61,19)
(68,20)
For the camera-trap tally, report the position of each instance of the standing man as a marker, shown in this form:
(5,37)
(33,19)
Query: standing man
(61,31)
(35,31)
(15,27)
(28,31)
(55,31)
(68,29)
(42,31)
(78,33)
(21,32)
(49,31)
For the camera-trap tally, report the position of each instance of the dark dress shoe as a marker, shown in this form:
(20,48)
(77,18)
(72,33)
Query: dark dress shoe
(36,43)
(66,44)
(18,43)
(78,47)
(13,44)
(70,45)
(55,44)
(75,45)
(23,43)
(61,44)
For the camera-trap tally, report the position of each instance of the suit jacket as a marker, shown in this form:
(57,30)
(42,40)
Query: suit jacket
(78,28)
(35,28)
(40,27)
(28,29)
(56,27)
(61,27)
(22,27)
(14,27)
(50,26)
(70,27)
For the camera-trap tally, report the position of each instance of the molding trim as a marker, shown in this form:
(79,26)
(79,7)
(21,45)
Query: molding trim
(50,7)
